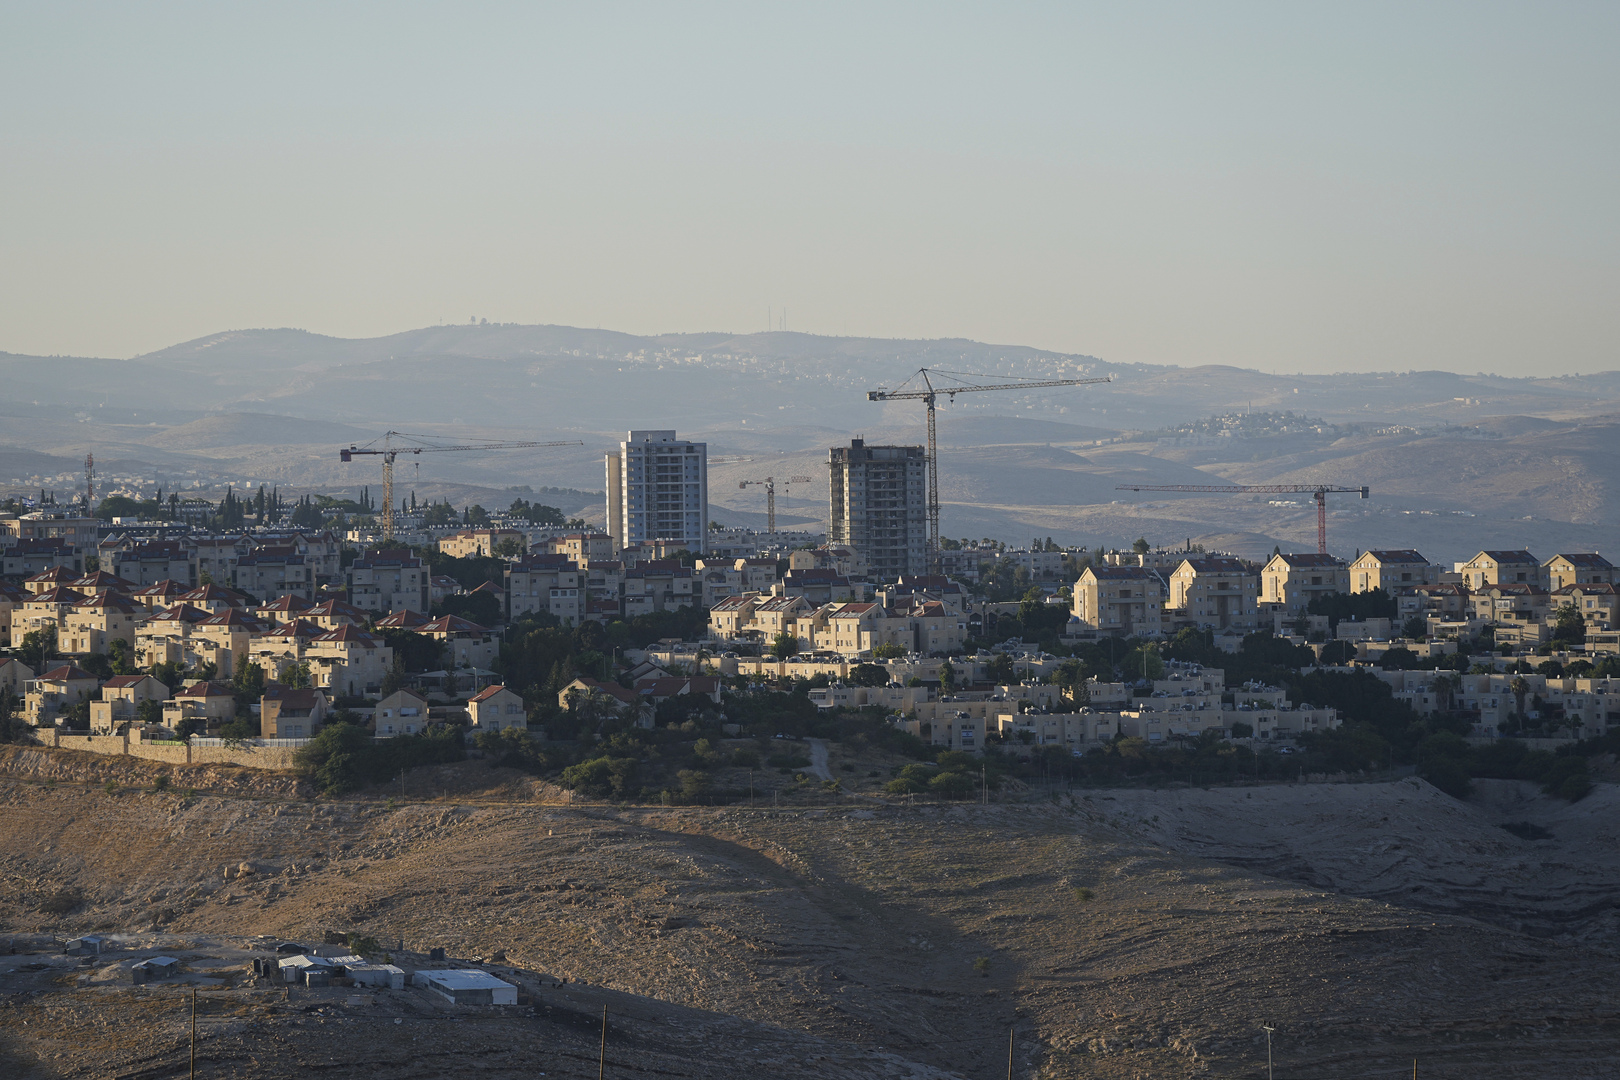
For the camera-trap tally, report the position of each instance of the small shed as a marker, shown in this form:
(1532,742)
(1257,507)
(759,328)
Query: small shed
(295,969)
(468,986)
(88,945)
(382,975)
(154,968)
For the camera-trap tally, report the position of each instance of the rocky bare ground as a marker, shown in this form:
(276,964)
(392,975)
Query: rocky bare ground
(1115,934)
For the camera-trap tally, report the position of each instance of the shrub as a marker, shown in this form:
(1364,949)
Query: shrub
(1084,895)
(952,785)
(982,966)
(160,783)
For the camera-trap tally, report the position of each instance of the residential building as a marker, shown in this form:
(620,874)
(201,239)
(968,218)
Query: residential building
(658,489)
(99,583)
(74,530)
(269,573)
(1293,581)
(286,712)
(732,618)
(283,609)
(878,500)
(1500,568)
(659,585)
(545,585)
(1598,604)
(14,674)
(817,586)
(163,594)
(120,701)
(582,548)
(348,662)
(1214,591)
(213,703)
(1576,569)
(55,577)
(156,560)
(1122,600)
(336,614)
(465,643)
(165,637)
(404,712)
(47,697)
(495,707)
(616,697)
(391,580)
(97,621)
(470,542)
(27,557)
(11,599)
(217,556)
(1391,569)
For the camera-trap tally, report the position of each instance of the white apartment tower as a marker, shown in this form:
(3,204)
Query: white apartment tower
(658,489)
(879,503)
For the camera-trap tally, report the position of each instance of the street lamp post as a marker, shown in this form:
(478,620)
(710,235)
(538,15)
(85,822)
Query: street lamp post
(1268,1029)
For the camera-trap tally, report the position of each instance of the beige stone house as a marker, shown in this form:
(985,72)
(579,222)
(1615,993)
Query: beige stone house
(121,697)
(1391,569)
(52,694)
(495,707)
(214,703)
(1576,569)
(1124,600)
(1215,591)
(1293,581)
(289,713)
(404,712)
(471,542)
(1500,568)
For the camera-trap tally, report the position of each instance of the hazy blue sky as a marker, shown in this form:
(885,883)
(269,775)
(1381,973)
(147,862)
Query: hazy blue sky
(1297,186)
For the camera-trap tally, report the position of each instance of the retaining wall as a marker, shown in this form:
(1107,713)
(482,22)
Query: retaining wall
(173,752)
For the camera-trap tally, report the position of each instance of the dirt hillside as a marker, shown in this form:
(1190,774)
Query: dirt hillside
(1118,934)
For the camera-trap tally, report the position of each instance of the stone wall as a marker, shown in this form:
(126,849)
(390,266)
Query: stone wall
(175,751)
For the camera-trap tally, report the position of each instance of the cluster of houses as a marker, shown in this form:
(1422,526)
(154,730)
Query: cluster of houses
(1516,594)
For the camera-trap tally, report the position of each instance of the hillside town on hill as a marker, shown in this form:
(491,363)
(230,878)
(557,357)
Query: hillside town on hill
(129,634)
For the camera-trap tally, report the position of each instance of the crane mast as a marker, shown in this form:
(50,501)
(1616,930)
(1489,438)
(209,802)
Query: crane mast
(390,450)
(770,495)
(929,396)
(1319,492)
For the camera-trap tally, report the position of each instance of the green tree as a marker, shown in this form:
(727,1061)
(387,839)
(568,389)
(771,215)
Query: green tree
(510,547)
(249,683)
(119,656)
(784,645)
(12,727)
(37,647)
(888,651)
(1568,625)
(869,675)
(947,676)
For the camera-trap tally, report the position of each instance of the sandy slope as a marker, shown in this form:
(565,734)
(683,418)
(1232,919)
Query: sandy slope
(866,928)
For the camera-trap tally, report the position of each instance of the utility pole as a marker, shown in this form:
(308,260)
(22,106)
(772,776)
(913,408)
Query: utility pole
(193,1033)
(1010,1029)
(601,1061)
(1268,1029)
